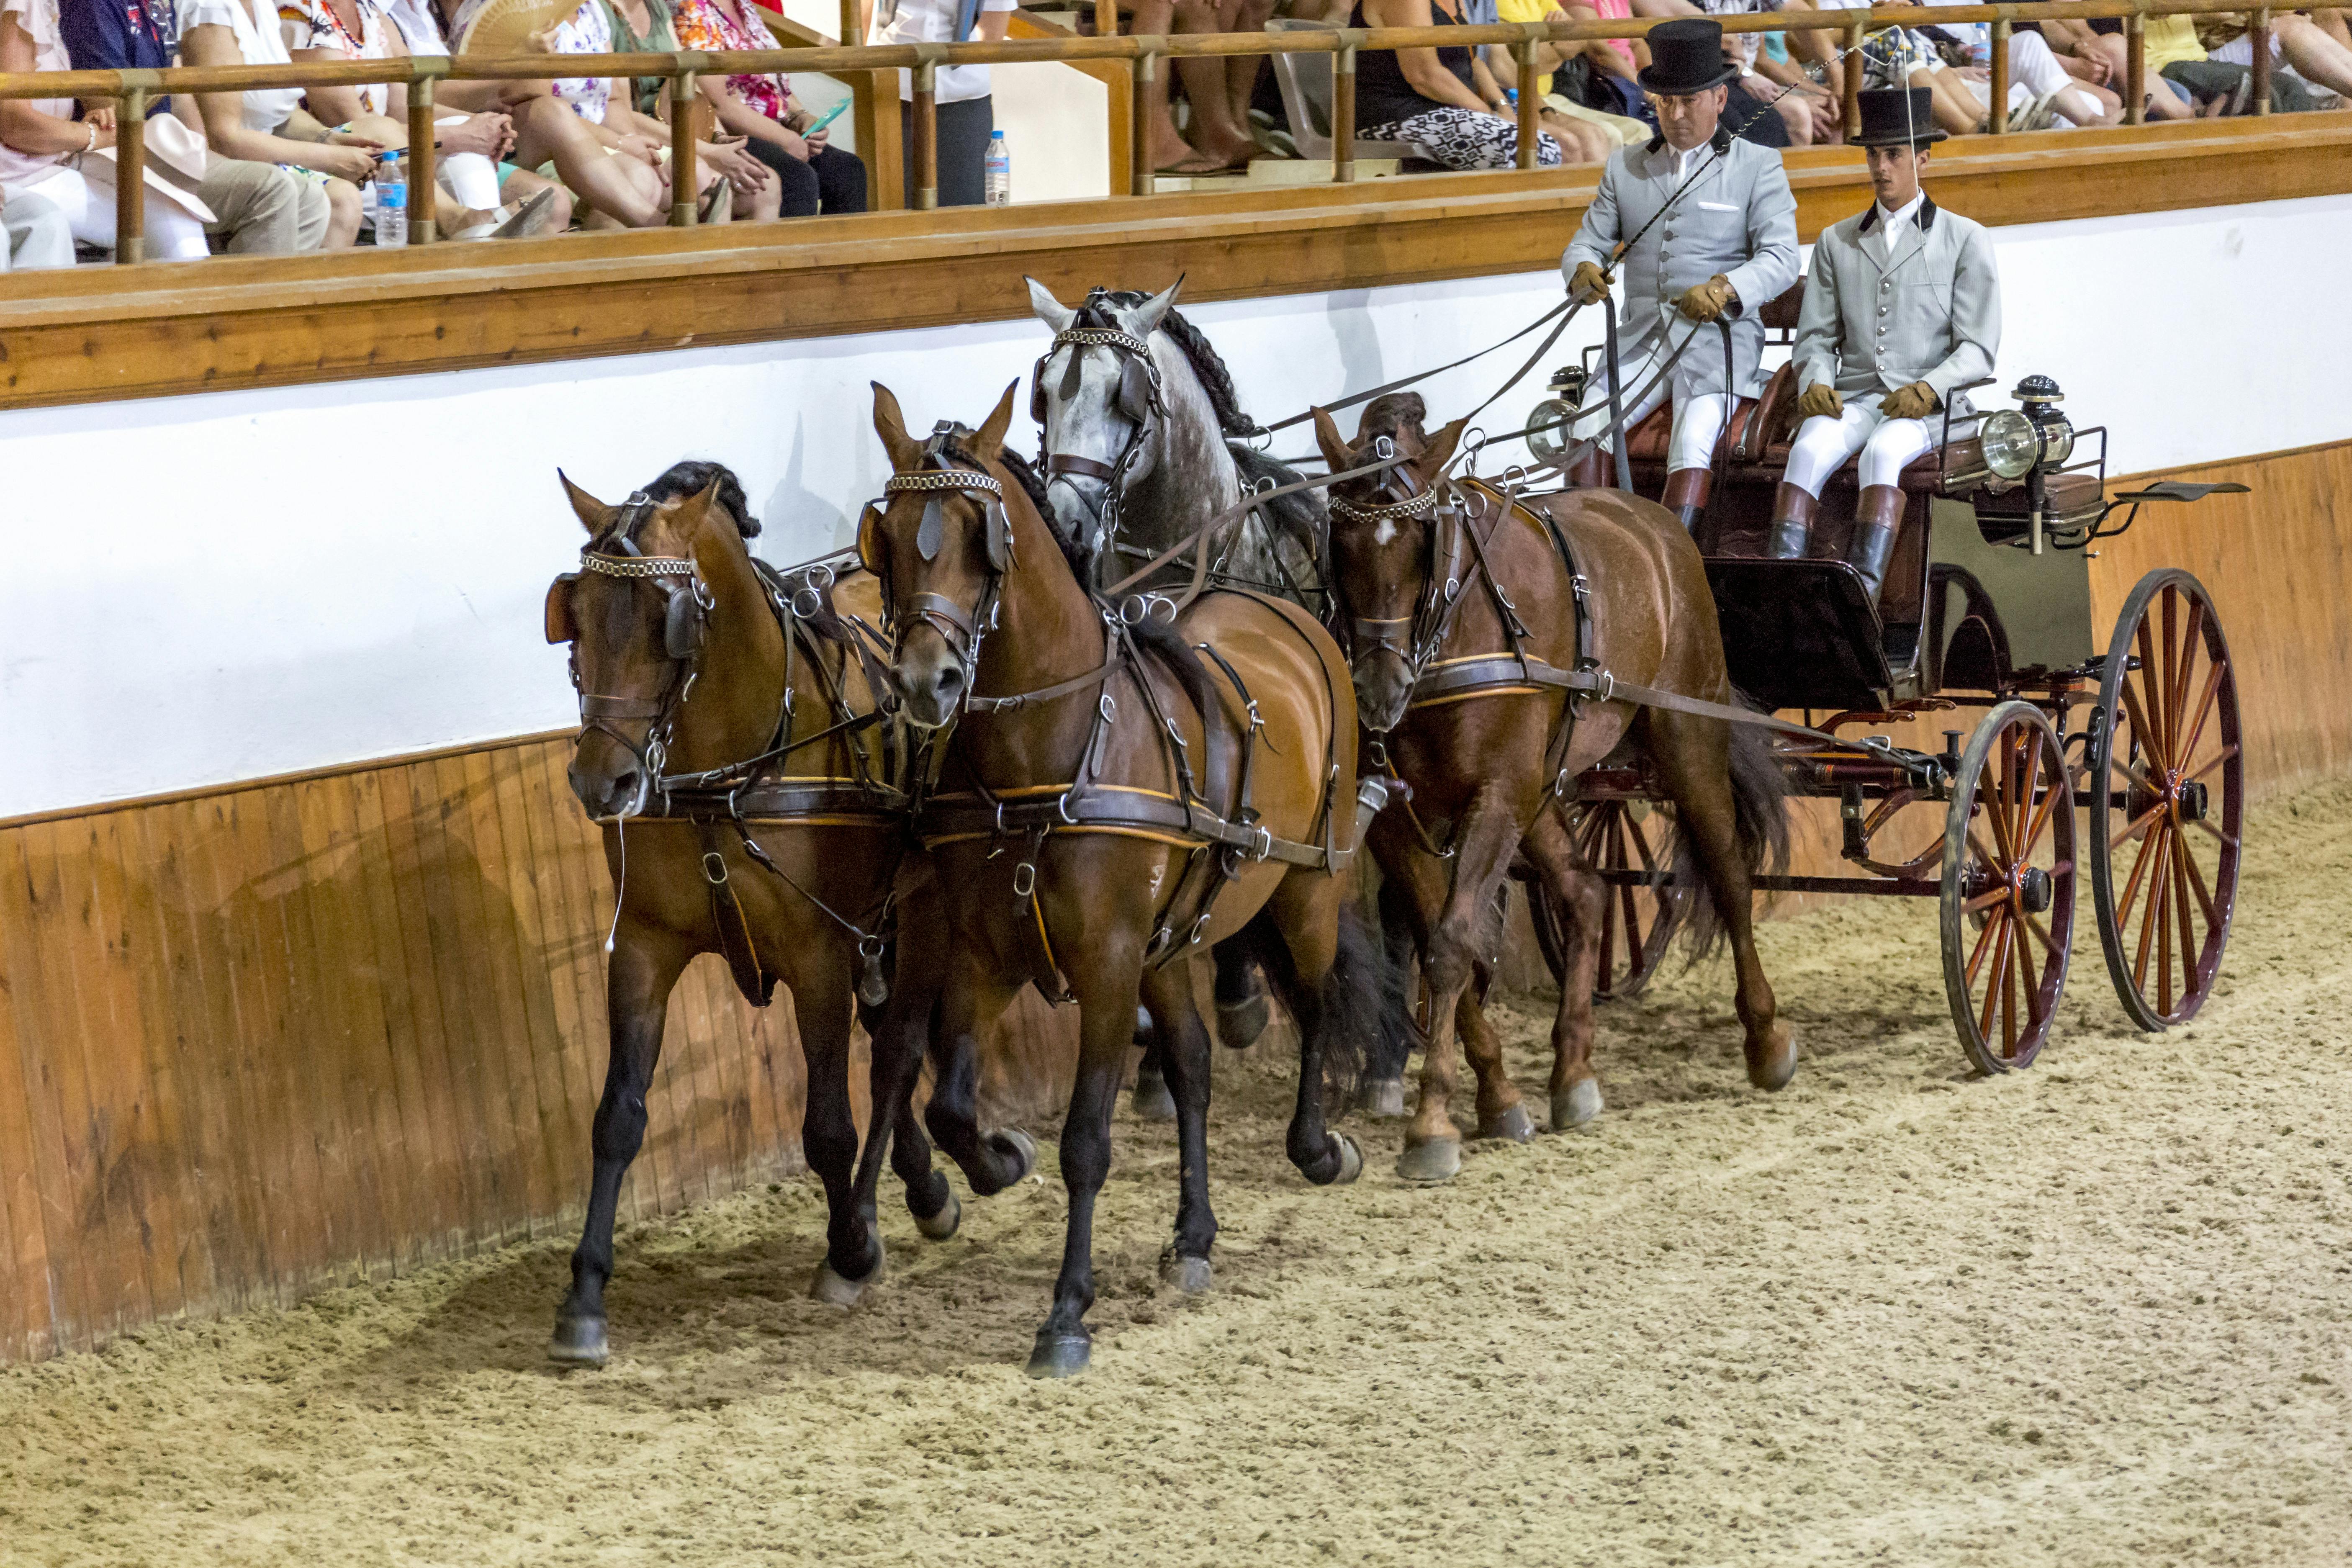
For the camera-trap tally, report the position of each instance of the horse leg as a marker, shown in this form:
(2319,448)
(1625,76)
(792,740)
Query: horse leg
(1183,1042)
(1151,1100)
(1484,844)
(973,1001)
(1485,1049)
(644,965)
(853,1253)
(1300,933)
(1240,995)
(1384,1088)
(899,1030)
(1582,900)
(1106,988)
(1693,756)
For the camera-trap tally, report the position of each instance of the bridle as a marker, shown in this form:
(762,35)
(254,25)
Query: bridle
(684,620)
(963,630)
(1139,400)
(1415,639)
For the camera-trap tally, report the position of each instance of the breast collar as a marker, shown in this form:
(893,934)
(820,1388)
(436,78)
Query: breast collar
(1925,217)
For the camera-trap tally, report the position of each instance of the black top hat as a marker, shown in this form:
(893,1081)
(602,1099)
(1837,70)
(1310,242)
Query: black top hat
(1686,56)
(1897,117)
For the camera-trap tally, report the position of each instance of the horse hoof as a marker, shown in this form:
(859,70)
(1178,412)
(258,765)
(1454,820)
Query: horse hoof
(1152,1102)
(1772,1068)
(1426,1165)
(1352,1160)
(1013,1144)
(1189,1275)
(942,1225)
(1514,1123)
(1060,1355)
(579,1342)
(834,1290)
(1382,1096)
(1239,1024)
(1578,1106)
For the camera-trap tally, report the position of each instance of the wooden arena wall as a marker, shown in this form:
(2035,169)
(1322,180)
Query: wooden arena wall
(303,1032)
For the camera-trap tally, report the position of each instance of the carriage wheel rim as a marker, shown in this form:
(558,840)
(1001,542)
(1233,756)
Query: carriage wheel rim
(2006,900)
(2170,739)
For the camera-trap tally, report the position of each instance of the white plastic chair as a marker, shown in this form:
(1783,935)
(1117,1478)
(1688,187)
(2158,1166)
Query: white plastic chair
(1306,83)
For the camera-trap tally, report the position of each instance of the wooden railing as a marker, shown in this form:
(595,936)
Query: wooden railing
(133,90)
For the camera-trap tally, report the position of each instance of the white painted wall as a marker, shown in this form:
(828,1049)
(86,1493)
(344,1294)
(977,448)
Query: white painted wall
(247,599)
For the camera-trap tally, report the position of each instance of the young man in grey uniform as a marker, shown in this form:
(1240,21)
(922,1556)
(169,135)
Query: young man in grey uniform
(1724,244)
(1902,310)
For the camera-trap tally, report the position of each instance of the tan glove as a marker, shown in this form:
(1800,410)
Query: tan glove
(1915,401)
(1589,284)
(1820,402)
(1706,301)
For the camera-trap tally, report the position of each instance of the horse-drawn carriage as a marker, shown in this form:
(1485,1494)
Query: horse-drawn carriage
(1986,607)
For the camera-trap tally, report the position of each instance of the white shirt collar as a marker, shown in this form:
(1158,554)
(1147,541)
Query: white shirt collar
(1888,221)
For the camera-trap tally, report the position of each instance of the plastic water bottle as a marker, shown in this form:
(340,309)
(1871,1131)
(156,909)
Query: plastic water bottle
(999,170)
(1511,97)
(392,201)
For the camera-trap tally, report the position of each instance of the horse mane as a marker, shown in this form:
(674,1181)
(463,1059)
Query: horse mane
(1392,415)
(1033,485)
(1207,364)
(691,477)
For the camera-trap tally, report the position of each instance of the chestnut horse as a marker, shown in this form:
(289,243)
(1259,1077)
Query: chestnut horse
(689,657)
(1105,803)
(1433,577)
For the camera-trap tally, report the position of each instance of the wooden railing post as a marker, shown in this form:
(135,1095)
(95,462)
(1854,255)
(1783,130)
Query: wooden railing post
(850,31)
(927,129)
(2136,69)
(1106,18)
(1530,100)
(130,170)
(683,188)
(1139,172)
(421,190)
(1343,110)
(2000,63)
(2258,35)
(1850,73)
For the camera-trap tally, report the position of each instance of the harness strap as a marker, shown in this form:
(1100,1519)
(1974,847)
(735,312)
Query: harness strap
(735,940)
(596,705)
(1086,468)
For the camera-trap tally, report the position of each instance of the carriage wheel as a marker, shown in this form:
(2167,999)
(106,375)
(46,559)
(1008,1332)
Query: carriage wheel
(2008,890)
(1637,924)
(2167,742)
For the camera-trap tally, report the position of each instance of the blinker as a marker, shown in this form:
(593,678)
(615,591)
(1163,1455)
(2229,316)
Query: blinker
(682,624)
(561,629)
(934,530)
(1134,389)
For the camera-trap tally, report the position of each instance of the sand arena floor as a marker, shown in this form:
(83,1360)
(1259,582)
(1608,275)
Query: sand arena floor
(2091,1313)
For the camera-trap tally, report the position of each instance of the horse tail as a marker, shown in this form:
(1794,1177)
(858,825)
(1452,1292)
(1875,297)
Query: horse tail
(1760,806)
(1345,1006)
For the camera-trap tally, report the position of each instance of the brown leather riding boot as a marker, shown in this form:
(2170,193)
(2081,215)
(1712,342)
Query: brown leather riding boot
(1686,495)
(1792,522)
(1874,522)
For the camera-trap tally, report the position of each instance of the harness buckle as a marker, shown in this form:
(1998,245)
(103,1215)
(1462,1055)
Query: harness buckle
(1024,879)
(1265,846)
(714,868)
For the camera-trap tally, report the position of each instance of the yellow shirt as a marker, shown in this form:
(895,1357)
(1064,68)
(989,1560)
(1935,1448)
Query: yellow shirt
(2171,39)
(1528,11)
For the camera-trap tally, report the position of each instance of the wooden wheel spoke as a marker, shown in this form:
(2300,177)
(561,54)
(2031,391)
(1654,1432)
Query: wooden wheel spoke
(2029,769)
(1995,806)
(2229,838)
(2013,976)
(2132,829)
(2041,814)
(1977,954)
(2131,888)
(1992,863)
(2225,754)
(2204,894)
(2162,694)
(2184,672)
(2141,703)
(1986,900)
(2160,842)
(2205,700)
(2000,981)
(2042,934)
(2188,943)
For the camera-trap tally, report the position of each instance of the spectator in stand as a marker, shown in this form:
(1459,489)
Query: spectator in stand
(1586,86)
(964,113)
(1800,111)
(2041,92)
(1442,99)
(268,125)
(476,186)
(2300,44)
(46,155)
(258,209)
(812,174)
(2095,52)
(36,234)
(1217,137)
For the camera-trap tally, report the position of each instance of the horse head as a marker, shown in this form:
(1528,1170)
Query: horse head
(1384,533)
(636,614)
(940,541)
(1100,397)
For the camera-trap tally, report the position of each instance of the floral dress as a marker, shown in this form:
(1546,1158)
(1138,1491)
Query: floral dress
(313,25)
(707,24)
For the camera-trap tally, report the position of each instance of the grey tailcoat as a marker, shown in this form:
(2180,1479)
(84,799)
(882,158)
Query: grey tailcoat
(1737,217)
(1932,314)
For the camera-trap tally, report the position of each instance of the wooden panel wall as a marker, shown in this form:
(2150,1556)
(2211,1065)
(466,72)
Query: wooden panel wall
(307,1032)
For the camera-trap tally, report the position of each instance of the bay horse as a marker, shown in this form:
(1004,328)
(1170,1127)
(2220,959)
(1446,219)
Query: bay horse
(690,656)
(1106,804)
(1143,436)
(1444,591)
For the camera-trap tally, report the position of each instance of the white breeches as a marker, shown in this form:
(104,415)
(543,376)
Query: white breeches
(1886,446)
(172,235)
(1698,415)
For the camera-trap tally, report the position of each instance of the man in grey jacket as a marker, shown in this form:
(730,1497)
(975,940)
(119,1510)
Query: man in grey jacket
(1902,310)
(1722,244)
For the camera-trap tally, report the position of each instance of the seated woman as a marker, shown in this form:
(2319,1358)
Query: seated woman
(268,125)
(2313,52)
(1586,134)
(49,158)
(812,174)
(2095,52)
(478,198)
(1442,99)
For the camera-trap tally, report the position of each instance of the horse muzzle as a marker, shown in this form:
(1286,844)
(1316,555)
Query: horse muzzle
(930,678)
(614,784)
(1384,683)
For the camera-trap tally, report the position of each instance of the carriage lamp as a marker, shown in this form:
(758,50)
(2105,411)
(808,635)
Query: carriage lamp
(2016,441)
(1568,384)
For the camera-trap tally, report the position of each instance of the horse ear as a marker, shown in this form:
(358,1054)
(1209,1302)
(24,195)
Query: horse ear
(1327,436)
(707,527)
(1145,318)
(904,451)
(989,440)
(1440,450)
(593,515)
(1047,309)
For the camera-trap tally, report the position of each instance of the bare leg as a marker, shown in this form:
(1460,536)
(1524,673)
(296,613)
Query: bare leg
(343,214)
(1168,148)
(620,188)
(523,184)
(1220,142)
(1241,74)
(2317,57)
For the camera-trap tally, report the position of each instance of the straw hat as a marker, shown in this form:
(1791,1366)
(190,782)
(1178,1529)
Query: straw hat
(174,166)
(506,26)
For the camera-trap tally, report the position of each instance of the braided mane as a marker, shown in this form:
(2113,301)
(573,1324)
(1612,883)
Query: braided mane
(1033,485)
(1216,379)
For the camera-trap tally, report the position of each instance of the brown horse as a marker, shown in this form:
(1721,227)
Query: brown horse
(1439,585)
(1106,804)
(688,657)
